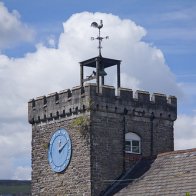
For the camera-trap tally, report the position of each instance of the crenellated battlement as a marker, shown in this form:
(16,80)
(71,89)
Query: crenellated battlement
(68,102)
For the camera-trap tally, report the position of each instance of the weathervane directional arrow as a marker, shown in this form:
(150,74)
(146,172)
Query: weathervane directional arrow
(99,38)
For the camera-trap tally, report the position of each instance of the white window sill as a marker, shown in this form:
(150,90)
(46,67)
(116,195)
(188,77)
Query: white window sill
(129,152)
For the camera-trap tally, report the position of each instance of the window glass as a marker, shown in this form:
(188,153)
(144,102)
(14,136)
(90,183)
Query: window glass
(132,143)
(127,145)
(135,143)
(135,149)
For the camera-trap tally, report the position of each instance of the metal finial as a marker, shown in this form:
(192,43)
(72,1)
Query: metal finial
(99,26)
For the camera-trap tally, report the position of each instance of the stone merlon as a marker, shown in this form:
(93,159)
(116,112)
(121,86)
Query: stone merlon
(79,100)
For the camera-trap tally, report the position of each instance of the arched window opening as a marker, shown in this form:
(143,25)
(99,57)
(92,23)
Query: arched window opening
(132,143)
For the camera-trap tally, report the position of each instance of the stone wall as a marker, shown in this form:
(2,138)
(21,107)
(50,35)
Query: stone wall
(106,150)
(66,103)
(75,180)
(98,155)
(151,119)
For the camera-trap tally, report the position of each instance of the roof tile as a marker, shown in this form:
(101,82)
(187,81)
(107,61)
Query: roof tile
(172,173)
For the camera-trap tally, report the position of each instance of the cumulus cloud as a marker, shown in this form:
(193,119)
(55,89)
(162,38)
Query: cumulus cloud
(125,43)
(15,145)
(185,132)
(22,173)
(12,30)
(55,67)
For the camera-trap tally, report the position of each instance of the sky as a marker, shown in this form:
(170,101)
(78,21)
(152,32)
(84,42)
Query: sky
(41,43)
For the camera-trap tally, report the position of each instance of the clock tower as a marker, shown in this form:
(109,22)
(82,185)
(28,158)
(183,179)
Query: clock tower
(85,138)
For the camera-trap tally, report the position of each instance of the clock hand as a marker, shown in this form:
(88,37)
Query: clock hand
(61,148)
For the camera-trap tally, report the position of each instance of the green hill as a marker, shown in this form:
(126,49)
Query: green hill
(15,187)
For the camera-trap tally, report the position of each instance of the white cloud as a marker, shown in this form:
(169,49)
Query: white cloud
(22,173)
(6,169)
(51,41)
(51,69)
(15,145)
(181,14)
(185,132)
(12,30)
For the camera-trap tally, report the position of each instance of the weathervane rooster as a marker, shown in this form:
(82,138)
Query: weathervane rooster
(99,26)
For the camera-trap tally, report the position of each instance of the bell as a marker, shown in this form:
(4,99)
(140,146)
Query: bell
(102,73)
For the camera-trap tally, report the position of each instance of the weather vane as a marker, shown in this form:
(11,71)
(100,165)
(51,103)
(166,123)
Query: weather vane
(99,26)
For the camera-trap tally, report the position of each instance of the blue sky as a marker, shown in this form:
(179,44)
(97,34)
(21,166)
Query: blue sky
(170,26)
(39,30)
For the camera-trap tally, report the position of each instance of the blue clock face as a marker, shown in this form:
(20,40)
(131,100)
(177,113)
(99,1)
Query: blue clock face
(59,153)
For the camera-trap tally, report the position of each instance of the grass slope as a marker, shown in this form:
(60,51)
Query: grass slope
(15,186)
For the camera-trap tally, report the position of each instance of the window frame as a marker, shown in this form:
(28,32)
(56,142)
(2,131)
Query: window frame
(132,137)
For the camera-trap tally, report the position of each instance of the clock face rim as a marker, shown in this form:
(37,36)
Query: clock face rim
(65,149)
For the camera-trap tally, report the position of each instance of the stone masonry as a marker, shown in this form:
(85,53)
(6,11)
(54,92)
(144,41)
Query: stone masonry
(97,124)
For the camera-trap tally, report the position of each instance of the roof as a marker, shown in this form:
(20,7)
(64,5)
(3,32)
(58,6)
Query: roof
(133,173)
(106,62)
(172,173)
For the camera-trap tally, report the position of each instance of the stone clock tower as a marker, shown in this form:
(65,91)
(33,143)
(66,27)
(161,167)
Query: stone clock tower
(85,138)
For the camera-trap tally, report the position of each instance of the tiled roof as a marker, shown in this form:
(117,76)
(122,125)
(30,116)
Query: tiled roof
(172,173)
(133,173)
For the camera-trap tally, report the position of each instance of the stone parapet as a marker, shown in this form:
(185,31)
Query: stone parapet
(79,100)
